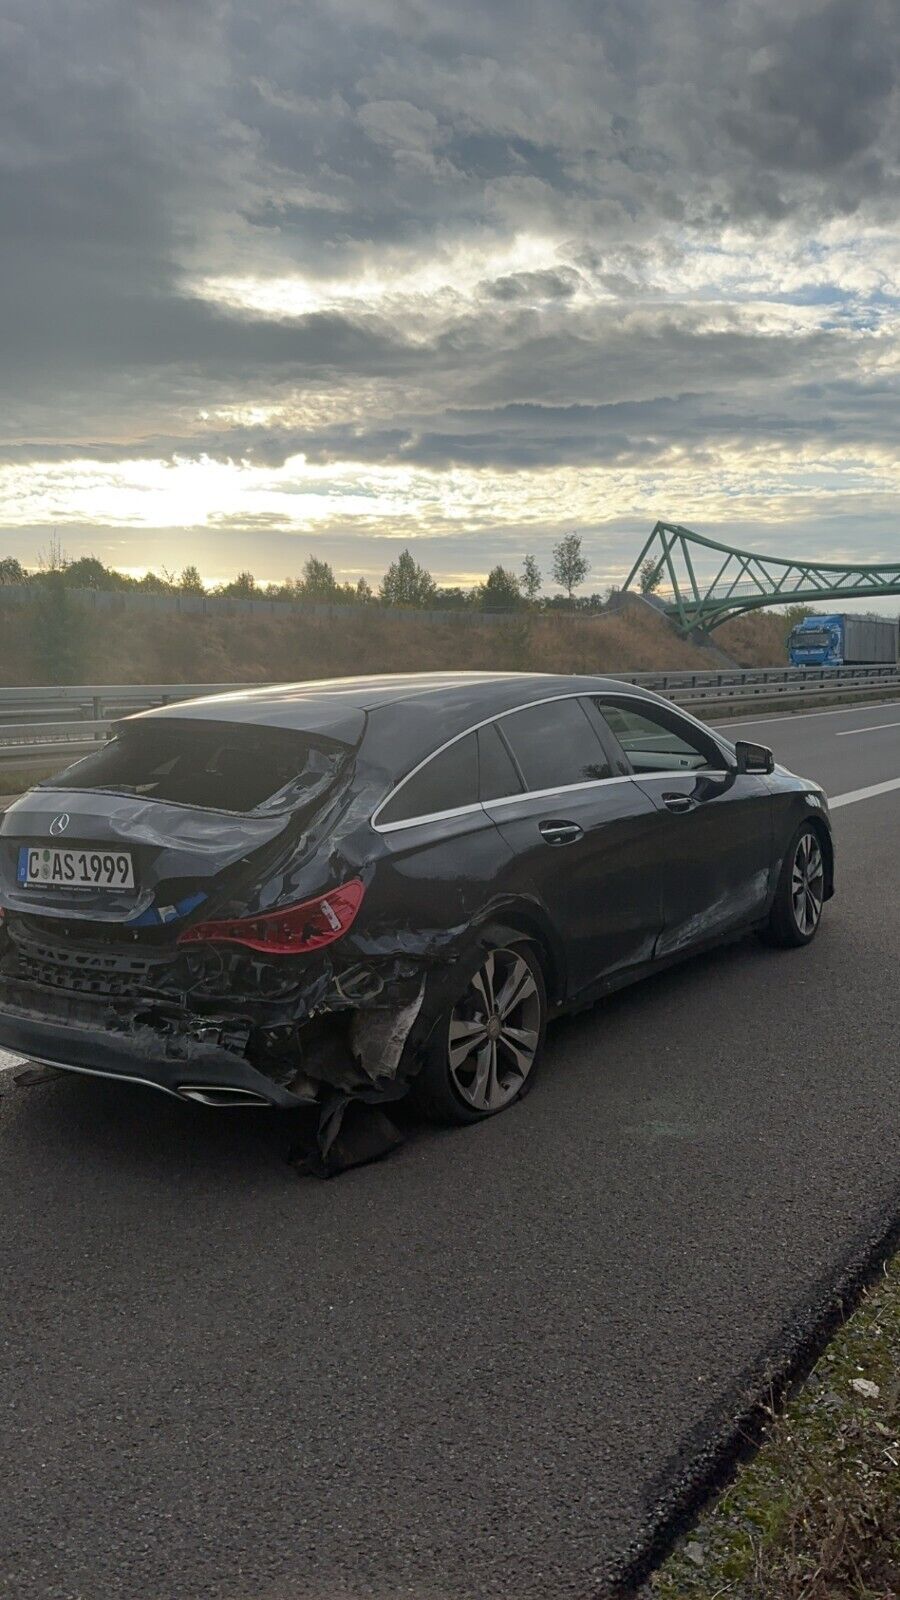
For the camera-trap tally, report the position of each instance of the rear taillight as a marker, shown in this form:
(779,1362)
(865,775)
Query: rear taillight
(291,931)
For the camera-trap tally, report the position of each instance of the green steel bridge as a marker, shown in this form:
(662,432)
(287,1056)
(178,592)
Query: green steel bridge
(743,580)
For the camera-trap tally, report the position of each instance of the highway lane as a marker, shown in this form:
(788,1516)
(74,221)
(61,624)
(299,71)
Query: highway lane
(842,749)
(466,1372)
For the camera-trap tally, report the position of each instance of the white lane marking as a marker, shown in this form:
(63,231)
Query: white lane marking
(803,716)
(847,733)
(853,795)
(8,1062)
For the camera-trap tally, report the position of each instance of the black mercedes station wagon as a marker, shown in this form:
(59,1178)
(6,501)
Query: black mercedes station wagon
(337,891)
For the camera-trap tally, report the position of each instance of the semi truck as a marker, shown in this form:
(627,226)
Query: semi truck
(845,640)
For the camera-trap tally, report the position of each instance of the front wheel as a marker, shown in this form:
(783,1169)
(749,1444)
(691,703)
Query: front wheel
(484,1051)
(800,896)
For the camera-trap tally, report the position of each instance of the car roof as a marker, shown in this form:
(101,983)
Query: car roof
(404,716)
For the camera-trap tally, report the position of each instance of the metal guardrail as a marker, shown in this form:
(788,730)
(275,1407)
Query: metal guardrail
(66,720)
(49,721)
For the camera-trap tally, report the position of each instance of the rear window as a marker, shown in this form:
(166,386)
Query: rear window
(216,766)
(497,775)
(448,780)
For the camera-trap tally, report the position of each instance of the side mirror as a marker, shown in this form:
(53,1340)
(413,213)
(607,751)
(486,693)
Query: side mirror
(756,759)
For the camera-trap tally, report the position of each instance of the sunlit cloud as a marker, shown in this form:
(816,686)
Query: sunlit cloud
(361,277)
(449,280)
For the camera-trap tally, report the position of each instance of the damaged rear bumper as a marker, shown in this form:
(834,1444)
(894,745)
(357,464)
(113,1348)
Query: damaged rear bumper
(188,1069)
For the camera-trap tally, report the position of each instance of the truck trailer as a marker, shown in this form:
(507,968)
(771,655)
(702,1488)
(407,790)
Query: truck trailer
(845,640)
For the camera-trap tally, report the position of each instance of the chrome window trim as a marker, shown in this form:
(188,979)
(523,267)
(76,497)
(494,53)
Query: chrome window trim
(683,772)
(430,816)
(529,794)
(545,794)
(564,788)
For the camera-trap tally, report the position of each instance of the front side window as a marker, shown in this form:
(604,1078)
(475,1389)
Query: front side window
(657,741)
(446,782)
(555,745)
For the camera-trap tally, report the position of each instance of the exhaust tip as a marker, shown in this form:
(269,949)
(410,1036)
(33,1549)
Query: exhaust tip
(214,1094)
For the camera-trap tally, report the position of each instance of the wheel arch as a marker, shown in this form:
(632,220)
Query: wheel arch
(794,819)
(824,836)
(525,920)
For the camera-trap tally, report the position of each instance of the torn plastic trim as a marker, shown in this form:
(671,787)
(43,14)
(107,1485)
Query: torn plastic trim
(139,1055)
(161,916)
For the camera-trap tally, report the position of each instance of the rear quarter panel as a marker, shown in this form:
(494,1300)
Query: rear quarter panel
(433,885)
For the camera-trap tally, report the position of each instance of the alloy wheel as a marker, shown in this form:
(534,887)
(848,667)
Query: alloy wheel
(807,883)
(494,1032)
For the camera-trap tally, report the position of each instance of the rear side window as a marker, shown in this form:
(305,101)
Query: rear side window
(497,775)
(216,766)
(555,744)
(447,781)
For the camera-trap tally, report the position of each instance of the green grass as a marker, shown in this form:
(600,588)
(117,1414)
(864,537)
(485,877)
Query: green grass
(15,780)
(815,1514)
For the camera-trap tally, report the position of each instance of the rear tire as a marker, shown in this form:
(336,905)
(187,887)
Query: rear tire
(797,908)
(482,1055)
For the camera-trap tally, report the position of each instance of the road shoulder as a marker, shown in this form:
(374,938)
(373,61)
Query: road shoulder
(816,1512)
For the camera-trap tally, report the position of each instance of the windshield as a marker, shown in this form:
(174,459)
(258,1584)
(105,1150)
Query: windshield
(811,638)
(217,766)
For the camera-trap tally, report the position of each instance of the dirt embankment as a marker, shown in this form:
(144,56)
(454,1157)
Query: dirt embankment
(131,648)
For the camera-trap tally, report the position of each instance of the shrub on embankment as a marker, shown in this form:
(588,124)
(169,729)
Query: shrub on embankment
(54,640)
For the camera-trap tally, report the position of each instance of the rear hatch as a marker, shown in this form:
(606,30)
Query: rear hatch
(166,816)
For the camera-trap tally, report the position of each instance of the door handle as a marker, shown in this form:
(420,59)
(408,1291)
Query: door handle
(560,832)
(678,802)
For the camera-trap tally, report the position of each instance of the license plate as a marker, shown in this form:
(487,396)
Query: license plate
(75,869)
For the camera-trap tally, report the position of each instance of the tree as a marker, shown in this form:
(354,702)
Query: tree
(452,599)
(570,567)
(12,571)
(650,576)
(407,584)
(89,572)
(318,580)
(54,558)
(363,591)
(531,581)
(58,631)
(243,587)
(191,582)
(154,583)
(500,591)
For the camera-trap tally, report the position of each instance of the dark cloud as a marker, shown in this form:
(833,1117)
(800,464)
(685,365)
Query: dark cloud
(147,150)
(816,94)
(534,286)
(826,416)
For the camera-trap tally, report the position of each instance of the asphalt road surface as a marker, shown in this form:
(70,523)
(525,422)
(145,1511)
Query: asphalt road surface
(477,1369)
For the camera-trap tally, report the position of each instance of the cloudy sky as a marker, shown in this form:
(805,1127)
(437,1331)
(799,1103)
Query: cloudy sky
(342,275)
